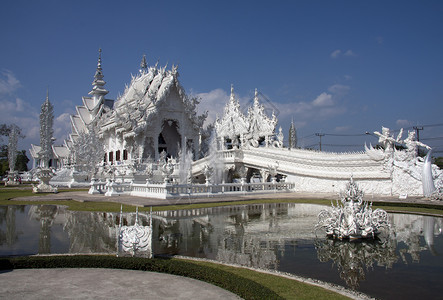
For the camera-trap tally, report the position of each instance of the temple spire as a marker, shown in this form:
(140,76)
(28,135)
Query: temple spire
(98,89)
(143,64)
(256,97)
(232,93)
(292,135)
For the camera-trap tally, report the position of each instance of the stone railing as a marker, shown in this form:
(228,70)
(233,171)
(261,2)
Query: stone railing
(109,188)
(169,191)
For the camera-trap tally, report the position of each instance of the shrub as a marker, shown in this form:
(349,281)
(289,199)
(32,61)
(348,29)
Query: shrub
(245,288)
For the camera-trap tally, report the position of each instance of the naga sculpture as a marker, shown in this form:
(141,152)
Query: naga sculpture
(352,218)
(136,238)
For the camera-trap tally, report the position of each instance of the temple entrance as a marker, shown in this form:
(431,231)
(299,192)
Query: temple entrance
(169,140)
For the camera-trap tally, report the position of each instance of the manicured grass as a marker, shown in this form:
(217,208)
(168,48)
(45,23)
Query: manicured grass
(246,283)
(410,208)
(6,194)
(284,287)
(241,202)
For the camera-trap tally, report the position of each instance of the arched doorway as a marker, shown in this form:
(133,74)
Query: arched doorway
(169,140)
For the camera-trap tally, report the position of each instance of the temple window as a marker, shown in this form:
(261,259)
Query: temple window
(117,155)
(111,157)
(125,154)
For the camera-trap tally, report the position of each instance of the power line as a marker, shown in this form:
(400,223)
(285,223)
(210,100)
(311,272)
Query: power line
(310,146)
(342,145)
(417,131)
(320,135)
(433,138)
(333,134)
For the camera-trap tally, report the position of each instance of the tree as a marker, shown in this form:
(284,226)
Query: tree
(439,161)
(88,149)
(4,165)
(21,163)
(13,132)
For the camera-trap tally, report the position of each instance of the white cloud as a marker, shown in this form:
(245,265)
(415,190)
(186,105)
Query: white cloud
(336,53)
(21,113)
(214,102)
(322,107)
(62,127)
(324,99)
(339,89)
(8,82)
(349,53)
(401,123)
(342,128)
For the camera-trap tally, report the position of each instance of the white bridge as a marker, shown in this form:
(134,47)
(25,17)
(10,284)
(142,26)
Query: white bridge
(309,171)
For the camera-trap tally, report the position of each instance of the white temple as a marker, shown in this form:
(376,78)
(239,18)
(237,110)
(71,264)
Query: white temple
(152,135)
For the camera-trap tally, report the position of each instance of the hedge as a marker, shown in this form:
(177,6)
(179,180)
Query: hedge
(241,286)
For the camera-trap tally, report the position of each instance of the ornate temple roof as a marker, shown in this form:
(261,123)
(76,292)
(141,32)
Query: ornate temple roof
(93,107)
(259,123)
(132,111)
(233,123)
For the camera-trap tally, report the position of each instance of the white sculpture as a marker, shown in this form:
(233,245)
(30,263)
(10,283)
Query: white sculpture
(46,132)
(45,173)
(14,133)
(88,150)
(352,218)
(292,136)
(135,239)
(386,139)
(12,146)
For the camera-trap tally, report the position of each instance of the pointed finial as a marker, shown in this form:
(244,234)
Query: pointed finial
(98,83)
(47,93)
(143,64)
(256,97)
(232,98)
(99,64)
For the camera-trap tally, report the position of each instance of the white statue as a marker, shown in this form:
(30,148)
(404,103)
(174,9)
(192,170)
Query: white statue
(386,139)
(45,173)
(412,145)
(136,238)
(352,218)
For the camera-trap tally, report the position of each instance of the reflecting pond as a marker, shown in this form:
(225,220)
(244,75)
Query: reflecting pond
(407,264)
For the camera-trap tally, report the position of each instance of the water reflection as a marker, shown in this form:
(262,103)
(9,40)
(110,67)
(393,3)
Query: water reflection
(269,236)
(8,232)
(353,259)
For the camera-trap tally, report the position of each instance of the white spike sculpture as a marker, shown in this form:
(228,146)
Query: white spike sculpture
(352,218)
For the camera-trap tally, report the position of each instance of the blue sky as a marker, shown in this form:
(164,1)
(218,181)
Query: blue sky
(335,67)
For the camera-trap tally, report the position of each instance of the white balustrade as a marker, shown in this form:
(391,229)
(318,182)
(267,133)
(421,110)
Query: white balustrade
(168,191)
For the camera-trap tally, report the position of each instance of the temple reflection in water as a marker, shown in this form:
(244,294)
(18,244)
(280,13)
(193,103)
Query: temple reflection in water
(263,236)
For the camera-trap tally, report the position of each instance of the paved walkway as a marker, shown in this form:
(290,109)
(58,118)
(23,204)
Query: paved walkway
(104,284)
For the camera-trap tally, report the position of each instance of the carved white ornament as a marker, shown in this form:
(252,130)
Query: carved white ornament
(352,218)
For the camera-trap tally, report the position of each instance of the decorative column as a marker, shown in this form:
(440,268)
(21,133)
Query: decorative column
(264,173)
